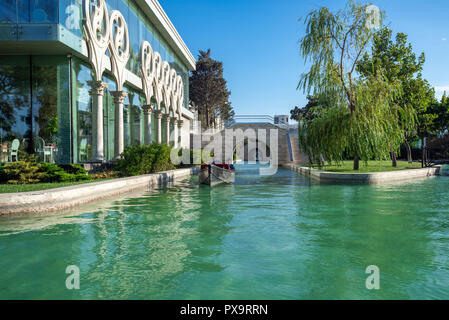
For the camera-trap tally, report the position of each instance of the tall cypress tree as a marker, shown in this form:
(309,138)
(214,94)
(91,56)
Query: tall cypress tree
(208,90)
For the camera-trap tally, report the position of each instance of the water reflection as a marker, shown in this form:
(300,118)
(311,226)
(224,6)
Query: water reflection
(262,238)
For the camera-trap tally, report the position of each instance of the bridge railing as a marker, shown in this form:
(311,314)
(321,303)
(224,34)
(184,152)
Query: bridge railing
(254,119)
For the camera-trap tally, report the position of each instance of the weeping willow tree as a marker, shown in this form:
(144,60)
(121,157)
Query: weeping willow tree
(358,116)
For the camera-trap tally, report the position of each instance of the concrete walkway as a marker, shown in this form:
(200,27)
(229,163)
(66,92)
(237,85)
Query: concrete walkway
(370,178)
(67,197)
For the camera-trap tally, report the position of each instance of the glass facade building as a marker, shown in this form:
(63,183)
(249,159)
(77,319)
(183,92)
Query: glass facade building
(46,101)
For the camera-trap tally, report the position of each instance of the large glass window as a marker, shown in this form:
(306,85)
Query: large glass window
(43,10)
(15,107)
(24,11)
(132,118)
(135,41)
(70,15)
(109,118)
(34,108)
(8,11)
(51,109)
(82,119)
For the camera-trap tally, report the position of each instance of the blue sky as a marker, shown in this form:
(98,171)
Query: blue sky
(258,43)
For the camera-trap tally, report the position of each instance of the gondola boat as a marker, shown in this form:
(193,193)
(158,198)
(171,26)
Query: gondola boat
(215,174)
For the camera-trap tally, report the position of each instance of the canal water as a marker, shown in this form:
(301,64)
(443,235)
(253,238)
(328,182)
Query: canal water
(266,237)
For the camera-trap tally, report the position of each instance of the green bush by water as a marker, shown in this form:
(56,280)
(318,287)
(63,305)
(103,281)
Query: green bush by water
(21,172)
(195,156)
(144,159)
(63,173)
(30,172)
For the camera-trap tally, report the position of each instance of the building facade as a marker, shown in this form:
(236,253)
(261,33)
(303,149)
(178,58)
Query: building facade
(281,119)
(80,80)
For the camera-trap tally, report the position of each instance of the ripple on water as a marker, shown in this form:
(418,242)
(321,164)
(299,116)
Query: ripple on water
(275,237)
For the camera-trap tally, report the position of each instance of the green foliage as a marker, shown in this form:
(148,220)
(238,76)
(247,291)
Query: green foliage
(307,113)
(143,159)
(66,173)
(3,177)
(195,156)
(208,90)
(73,168)
(21,172)
(28,172)
(354,114)
(107,174)
(400,64)
(161,158)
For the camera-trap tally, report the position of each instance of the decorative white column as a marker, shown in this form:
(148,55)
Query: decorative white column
(147,110)
(97,94)
(167,129)
(119,99)
(180,124)
(130,122)
(158,115)
(96,28)
(119,54)
(174,135)
(130,119)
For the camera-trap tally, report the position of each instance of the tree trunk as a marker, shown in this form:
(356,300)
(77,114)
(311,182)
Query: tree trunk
(207,118)
(409,152)
(394,163)
(356,163)
(393,159)
(423,153)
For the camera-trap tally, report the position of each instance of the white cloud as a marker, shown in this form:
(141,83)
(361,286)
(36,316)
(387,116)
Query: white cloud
(440,90)
(443,39)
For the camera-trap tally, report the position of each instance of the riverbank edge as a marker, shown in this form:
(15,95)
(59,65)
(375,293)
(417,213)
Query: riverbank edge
(67,197)
(367,178)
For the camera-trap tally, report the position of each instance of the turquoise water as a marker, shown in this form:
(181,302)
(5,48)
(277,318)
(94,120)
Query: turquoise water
(279,237)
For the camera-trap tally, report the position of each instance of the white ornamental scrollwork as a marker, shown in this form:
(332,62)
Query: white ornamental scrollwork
(147,70)
(180,93)
(172,84)
(118,47)
(159,80)
(96,28)
(166,84)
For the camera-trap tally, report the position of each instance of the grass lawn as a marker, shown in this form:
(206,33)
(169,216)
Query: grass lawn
(11,188)
(373,166)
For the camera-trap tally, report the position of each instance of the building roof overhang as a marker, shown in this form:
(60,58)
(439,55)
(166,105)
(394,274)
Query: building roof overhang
(156,14)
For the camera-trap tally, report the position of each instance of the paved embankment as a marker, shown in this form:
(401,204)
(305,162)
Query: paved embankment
(374,177)
(63,198)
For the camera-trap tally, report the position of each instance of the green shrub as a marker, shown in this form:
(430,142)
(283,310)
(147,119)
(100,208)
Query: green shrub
(27,172)
(2,173)
(52,173)
(143,159)
(63,173)
(21,172)
(195,155)
(74,169)
(107,174)
(161,160)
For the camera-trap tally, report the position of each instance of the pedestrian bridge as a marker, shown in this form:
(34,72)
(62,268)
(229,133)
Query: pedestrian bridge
(255,138)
